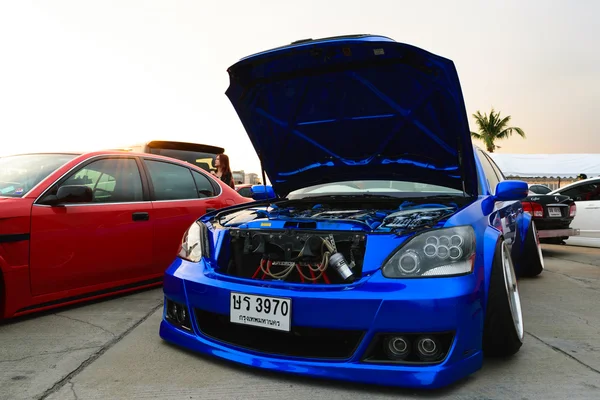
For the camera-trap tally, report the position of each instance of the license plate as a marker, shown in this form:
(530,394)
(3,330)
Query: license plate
(554,212)
(263,311)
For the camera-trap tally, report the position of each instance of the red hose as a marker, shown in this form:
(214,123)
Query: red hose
(258,269)
(312,274)
(300,273)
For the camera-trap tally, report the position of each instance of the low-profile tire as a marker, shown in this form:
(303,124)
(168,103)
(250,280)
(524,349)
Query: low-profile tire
(532,260)
(503,329)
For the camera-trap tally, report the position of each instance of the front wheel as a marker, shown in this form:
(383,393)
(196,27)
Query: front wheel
(503,328)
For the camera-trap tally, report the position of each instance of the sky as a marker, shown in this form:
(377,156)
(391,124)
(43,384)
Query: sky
(86,75)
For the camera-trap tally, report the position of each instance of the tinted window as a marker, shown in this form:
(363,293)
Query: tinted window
(246,192)
(113,180)
(171,182)
(206,161)
(205,188)
(488,170)
(585,192)
(539,189)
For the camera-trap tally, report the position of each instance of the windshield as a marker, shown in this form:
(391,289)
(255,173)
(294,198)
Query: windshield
(539,189)
(389,188)
(19,174)
(206,161)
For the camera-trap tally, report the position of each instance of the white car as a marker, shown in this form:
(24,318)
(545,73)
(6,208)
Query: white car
(586,194)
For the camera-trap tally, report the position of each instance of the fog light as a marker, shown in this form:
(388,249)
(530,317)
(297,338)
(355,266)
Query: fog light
(181,314)
(397,347)
(178,315)
(428,349)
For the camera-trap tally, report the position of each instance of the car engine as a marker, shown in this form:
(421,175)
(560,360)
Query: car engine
(295,256)
(303,252)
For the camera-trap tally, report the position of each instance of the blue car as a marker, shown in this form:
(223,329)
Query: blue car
(388,247)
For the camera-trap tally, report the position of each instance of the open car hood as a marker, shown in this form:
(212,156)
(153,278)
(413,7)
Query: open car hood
(354,108)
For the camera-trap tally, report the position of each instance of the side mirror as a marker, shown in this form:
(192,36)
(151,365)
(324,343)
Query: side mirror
(511,190)
(70,194)
(261,192)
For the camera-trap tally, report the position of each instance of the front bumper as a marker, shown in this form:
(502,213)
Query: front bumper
(373,306)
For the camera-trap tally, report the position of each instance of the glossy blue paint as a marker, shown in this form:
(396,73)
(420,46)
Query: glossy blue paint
(523,225)
(392,110)
(262,192)
(375,304)
(409,376)
(372,303)
(511,190)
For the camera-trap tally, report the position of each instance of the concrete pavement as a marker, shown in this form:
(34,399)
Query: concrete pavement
(116,359)
(38,352)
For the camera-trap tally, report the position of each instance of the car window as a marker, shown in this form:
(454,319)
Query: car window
(488,170)
(585,192)
(171,182)
(206,161)
(112,180)
(205,188)
(496,169)
(540,189)
(246,192)
(21,173)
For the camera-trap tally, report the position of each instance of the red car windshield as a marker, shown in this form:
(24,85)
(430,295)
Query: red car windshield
(21,173)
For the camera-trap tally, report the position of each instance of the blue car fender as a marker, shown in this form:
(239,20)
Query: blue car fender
(478,216)
(523,222)
(491,237)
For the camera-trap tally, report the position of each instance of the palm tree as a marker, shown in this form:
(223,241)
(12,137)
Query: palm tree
(493,128)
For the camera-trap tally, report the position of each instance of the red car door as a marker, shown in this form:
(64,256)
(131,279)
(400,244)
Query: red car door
(87,244)
(180,195)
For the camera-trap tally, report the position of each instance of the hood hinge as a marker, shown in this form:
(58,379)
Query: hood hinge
(262,170)
(461,166)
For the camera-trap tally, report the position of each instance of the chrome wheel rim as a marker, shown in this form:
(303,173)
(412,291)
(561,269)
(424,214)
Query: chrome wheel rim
(537,244)
(512,291)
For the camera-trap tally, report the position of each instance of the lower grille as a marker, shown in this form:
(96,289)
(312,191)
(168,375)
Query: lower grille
(300,342)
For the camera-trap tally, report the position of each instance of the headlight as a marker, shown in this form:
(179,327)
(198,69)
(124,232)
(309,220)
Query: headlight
(194,245)
(441,252)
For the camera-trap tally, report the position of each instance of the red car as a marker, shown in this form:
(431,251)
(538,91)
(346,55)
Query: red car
(244,190)
(75,227)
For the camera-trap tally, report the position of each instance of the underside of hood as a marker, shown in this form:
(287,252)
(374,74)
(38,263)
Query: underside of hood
(354,108)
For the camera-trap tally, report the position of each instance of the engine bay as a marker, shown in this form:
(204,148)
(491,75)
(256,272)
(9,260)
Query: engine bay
(387,217)
(294,256)
(310,242)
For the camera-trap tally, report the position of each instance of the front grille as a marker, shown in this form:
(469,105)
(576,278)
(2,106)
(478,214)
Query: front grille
(303,342)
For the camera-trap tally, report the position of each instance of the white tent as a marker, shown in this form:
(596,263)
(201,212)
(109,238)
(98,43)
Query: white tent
(548,165)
